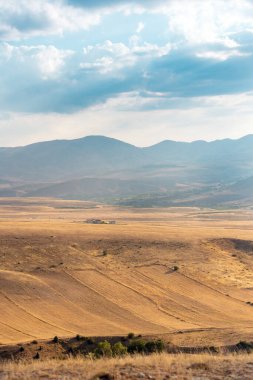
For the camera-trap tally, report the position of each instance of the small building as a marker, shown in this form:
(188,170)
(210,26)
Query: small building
(99,221)
(94,221)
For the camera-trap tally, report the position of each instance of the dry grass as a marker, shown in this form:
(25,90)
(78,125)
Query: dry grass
(156,367)
(55,279)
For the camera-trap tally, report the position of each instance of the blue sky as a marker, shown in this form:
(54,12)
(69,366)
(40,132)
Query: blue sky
(138,70)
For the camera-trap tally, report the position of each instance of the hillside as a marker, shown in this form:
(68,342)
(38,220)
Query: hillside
(104,169)
(61,276)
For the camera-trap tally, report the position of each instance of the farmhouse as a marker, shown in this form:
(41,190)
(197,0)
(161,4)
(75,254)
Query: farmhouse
(99,221)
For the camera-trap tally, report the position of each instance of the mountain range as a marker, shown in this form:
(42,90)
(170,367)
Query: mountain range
(200,173)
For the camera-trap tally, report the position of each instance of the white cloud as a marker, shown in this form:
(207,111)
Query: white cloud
(208,21)
(221,55)
(112,57)
(206,118)
(197,21)
(201,38)
(22,18)
(140,27)
(47,59)
(51,60)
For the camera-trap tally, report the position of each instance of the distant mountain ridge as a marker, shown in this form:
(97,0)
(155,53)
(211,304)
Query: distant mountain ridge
(102,168)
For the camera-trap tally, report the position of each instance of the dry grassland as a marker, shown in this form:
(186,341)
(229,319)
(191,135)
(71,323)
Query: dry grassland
(157,367)
(61,276)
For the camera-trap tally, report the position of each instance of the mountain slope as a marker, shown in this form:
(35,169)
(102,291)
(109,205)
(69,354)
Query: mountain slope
(101,168)
(98,155)
(55,160)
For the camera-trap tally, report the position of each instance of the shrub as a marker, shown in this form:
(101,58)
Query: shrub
(130,335)
(103,349)
(78,337)
(213,350)
(34,342)
(37,356)
(160,346)
(21,349)
(141,346)
(56,339)
(175,268)
(90,341)
(245,346)
(150,346)
(136,346)
(119,349)
(154,346)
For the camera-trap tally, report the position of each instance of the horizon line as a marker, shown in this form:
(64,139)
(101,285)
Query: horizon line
(125,142)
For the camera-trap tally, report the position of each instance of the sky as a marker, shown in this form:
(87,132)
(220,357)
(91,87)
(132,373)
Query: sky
(138,70)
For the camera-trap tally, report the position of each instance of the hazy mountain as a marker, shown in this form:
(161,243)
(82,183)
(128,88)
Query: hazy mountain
(67,159)
(243,187)
(97,167)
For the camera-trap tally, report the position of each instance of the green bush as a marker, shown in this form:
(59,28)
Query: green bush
(119,349)
(136,346)
(103,349)
(154,346)
(130,335)
(160,346)
(141,346)
(56,339)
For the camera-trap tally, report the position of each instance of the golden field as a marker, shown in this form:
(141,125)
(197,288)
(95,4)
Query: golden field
(182,274)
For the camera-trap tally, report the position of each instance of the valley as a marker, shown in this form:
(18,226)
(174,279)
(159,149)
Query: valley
(159,272)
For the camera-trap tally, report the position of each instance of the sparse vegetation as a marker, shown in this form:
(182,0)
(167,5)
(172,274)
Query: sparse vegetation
(56,339)
(154,346)
(37,356)
(90,341)
(103,349)
(137,346)
(154,366)
(245,346)
(118,349)
(130,290)
(147,347)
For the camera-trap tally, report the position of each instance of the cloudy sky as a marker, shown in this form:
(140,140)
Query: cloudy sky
(138,70)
